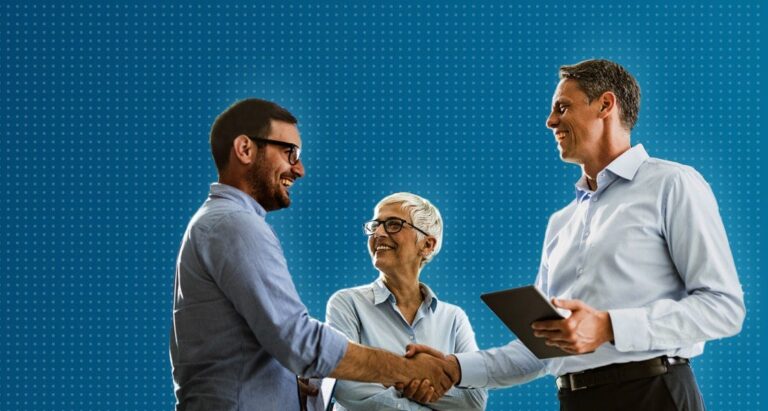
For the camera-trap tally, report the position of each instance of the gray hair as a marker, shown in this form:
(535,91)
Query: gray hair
(424,215)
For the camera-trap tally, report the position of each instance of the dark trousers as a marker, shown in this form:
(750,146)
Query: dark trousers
(674,391)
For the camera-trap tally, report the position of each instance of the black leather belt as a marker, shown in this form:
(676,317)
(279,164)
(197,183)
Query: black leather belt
(616,373)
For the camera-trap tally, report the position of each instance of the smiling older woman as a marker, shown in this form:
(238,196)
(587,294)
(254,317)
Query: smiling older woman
(406,232)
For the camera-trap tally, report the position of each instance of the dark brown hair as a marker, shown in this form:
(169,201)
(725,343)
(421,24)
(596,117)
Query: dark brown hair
(251,117)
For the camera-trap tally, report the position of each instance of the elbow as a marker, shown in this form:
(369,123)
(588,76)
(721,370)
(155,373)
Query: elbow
(733,319)
(737,322)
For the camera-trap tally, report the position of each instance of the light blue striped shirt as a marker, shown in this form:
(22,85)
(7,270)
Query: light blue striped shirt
(240,331)
(649,247)
(369,315)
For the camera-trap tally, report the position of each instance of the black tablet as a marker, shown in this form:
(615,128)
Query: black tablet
(518,308)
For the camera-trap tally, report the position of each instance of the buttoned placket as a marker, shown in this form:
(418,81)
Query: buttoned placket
(584,233)
(589,200)
(420,313)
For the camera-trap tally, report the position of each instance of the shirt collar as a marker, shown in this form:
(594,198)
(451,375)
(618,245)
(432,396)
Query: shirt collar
(624,166)
(381,294)
(231,193)
(627,164)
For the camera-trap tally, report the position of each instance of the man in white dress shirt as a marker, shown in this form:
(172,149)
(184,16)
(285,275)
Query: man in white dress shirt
(640,257)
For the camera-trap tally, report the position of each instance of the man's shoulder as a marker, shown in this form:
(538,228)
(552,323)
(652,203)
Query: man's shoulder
(225,215)
(562,214)
(657,169)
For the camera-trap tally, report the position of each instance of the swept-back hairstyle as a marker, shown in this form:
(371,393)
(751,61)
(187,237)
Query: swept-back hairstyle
(595,77)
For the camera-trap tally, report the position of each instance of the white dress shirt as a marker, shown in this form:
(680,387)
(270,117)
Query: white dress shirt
(649,247)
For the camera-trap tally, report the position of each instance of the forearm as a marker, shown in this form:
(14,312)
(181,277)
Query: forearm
(462,399)
(366,396)
(371,365)
(505,366)
(668,324)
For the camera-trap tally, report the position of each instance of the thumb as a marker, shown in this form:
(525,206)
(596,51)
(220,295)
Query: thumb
(568,304)
(413,349)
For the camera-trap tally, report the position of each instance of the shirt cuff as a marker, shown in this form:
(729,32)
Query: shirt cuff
(631,331)
(334,348)
(473,370)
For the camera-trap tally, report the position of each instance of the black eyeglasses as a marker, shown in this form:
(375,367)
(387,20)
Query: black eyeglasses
(293,155)
(392,225)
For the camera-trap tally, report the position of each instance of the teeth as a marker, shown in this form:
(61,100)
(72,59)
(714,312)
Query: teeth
(286,182)
(383,247)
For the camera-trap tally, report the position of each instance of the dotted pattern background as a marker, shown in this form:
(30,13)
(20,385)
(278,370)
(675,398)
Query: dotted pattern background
(106,110)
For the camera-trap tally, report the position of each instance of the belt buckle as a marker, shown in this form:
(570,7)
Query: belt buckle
(572,382)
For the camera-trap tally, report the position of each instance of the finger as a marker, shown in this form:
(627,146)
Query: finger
(411,389)
(425,392)
(560,340)
(413,349)
(410,350)
(569,304)
(550,325)
(398,386)
(549,334)
(430,396)
(567,347)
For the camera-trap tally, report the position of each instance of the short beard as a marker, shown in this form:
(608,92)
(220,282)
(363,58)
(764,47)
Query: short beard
(258,178)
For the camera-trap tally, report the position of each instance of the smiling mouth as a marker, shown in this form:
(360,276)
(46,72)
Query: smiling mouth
(382,247)
(286,182)
(560,135)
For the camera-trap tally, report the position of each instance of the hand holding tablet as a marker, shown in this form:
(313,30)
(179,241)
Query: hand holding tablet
(518,308)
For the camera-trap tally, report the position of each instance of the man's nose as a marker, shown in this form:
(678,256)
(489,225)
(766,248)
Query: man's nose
(553,120)
(298,169)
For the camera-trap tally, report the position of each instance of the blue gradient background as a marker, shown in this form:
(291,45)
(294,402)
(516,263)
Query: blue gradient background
(106,110)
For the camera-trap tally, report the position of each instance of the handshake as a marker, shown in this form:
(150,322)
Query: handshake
(432,373)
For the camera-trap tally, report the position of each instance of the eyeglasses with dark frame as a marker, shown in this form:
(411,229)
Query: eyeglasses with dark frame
(392,225)
(293,155)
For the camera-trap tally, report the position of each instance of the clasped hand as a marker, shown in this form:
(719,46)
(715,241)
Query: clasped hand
(423,390)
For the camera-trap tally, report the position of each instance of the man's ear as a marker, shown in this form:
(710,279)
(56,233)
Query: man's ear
(243,150)
(607,103)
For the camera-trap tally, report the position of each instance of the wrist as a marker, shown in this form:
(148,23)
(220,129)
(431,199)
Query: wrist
(400,370)
(607,326)
(455,368)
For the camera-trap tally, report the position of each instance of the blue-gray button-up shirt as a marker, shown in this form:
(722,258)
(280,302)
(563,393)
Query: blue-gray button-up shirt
(240,332)
(649,247)
(369,315)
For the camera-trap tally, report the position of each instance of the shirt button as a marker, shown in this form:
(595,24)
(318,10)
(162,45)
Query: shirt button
(580,270)
(411,337)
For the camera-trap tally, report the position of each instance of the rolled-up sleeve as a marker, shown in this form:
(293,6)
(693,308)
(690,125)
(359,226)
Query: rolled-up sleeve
(250,269)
